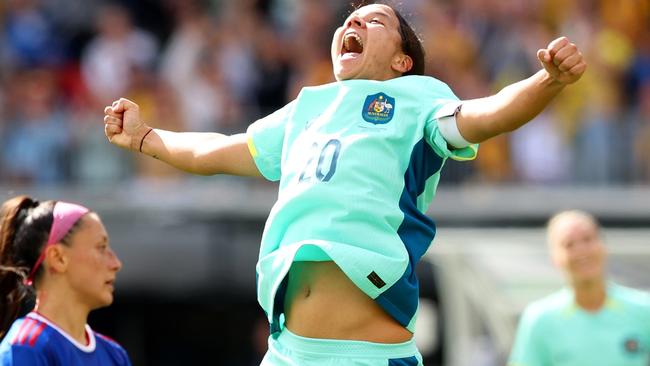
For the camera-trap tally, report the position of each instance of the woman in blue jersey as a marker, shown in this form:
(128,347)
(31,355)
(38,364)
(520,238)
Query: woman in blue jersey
(358,162)
(60,251)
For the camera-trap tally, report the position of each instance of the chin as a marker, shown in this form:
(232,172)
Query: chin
(104,301)
(584,278)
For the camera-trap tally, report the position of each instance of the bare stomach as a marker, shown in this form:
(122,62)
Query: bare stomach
(322,302)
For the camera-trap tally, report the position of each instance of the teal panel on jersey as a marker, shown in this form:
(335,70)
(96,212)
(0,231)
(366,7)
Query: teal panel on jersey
(359,162)
(554,331)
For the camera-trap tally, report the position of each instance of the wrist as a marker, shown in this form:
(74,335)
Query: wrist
(144,137)
(550,81)
(138,141)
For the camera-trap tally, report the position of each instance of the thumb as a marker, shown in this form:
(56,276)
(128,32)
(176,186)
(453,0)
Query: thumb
(544,56)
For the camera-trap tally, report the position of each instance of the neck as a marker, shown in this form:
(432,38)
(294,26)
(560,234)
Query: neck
(70,316)
(590,295)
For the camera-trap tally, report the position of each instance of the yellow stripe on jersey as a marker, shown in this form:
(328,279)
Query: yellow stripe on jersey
(466,153)
(251,146)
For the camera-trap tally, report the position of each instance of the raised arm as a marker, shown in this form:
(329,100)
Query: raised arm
(193,152)
(518,103)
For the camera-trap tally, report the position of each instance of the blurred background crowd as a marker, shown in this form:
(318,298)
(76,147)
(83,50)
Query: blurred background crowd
(217,65)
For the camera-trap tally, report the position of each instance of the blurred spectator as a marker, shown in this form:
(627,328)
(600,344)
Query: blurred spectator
(309,33)
(273,67)
(190,65)
(540,142)
(29,38)
(641,119)
(118,47)
(226,63)
(35,144)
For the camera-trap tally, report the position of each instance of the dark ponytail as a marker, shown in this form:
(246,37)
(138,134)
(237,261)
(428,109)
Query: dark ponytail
(24,228)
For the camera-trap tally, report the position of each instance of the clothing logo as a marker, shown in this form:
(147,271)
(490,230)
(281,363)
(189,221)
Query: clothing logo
(378,109)
(631,345)
(376,280)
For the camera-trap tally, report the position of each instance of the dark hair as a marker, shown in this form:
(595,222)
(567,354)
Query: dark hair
(411,43)
(25,227)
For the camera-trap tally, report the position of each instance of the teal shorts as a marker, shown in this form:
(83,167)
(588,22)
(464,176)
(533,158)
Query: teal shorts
(293,350)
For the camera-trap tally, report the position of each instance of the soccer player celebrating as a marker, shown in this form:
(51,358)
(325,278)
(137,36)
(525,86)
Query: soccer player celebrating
(592,322)
(358,162)
(61,250)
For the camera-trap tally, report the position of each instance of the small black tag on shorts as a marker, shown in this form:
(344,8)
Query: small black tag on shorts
(376,280)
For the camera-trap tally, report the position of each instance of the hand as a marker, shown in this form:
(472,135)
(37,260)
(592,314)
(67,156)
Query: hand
(562,61)
(122,124)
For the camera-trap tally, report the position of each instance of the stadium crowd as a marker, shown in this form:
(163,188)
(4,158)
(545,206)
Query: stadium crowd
(218,65)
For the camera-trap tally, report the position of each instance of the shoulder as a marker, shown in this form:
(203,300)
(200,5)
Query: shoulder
(425,86)
(548,307)
(630,296)
(319,89)
(28,332)
(113,347)
(26,343)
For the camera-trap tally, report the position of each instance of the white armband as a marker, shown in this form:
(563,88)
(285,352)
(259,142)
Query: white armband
(446,117)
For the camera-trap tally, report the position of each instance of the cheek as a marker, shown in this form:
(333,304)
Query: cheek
(86,264)
(336,46)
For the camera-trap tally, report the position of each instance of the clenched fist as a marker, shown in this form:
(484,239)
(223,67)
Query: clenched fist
(563,61)
(122,125)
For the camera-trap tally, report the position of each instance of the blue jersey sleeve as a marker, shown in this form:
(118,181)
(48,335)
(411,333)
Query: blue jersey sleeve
(117,353)
(21,355)
(265,141)
(443,103)
(123,356)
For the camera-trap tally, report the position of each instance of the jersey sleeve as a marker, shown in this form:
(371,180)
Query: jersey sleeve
(265,141)
(123,358)
(529,348)
(21,355)
(444,103)
(117,352)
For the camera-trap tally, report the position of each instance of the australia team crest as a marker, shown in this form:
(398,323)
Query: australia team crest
(378,108)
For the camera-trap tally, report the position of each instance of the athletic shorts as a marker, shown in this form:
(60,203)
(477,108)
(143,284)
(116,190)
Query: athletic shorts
(293,350)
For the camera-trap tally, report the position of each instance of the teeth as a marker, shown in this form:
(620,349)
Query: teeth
(346,40)
(357,38)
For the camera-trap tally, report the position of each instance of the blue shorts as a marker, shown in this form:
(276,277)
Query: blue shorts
(293,350)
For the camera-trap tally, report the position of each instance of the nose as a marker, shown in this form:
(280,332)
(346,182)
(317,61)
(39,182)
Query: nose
(115,262)
(356,21)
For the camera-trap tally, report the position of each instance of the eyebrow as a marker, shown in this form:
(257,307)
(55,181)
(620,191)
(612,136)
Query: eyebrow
(379,13)
(373,13)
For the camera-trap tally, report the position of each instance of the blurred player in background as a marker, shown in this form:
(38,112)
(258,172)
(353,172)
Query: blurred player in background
(60,250)
(592,322)
(358,162)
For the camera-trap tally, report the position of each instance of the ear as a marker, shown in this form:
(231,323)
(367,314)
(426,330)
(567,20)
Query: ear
(56,258)
(402,63)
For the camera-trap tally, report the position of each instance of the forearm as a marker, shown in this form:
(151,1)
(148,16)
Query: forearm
(512,107)
(201,153)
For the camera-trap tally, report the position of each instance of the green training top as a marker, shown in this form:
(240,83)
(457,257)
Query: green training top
(554,331)
(358,163)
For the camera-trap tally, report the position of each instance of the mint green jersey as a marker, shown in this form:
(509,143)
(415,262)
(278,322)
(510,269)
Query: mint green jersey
(554,331)
(358,163)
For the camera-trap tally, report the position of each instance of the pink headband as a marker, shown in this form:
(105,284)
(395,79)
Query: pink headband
(65,216)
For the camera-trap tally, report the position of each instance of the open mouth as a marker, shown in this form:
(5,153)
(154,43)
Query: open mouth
(352,44)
